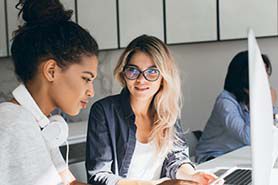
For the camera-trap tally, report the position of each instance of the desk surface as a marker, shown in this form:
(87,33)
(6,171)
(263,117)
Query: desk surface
(240,158)
(237,158)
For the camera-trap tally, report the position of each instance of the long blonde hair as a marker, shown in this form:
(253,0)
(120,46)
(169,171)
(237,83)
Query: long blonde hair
(166,104)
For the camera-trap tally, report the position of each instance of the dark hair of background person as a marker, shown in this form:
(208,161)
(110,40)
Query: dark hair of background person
(48,33)
(237,78)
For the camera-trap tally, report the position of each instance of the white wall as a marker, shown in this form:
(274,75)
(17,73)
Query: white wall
(203,67)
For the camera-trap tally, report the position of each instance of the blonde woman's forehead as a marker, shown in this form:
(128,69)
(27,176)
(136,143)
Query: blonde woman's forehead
(141,60)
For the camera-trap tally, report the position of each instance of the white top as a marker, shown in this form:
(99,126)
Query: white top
(24,156)
(146,162)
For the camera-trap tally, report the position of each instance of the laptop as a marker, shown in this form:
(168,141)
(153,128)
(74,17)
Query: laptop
(264,136)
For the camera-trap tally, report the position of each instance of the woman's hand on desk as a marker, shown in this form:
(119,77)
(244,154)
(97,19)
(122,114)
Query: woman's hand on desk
(187,172)
(163,181)
(203,178)
(188,182)
(179,182)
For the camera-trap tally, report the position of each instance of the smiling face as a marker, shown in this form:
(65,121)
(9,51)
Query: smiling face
(141,88)
(73,86)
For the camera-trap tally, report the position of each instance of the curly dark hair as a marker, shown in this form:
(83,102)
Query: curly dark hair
(48,33)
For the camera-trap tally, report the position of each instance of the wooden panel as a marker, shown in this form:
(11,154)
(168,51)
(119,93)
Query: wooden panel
(13,21)
(139,17)
(236,16)
(3,35)
(100,18)
(190,21)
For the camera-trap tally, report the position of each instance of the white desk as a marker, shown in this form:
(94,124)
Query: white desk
(237,158)
(240,158)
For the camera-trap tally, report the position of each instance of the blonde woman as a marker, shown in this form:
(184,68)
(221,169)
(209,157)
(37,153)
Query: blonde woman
(135,137)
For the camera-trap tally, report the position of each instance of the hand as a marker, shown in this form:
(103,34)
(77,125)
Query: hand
(205,178)
(179,182)
(187,172)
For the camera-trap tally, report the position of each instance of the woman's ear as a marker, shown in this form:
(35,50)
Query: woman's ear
(50,69)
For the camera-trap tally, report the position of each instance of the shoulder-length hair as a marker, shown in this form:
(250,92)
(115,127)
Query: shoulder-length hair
(237,79)
(166,104)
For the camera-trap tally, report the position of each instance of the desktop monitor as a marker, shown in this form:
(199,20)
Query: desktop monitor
(261,116)
(264,136)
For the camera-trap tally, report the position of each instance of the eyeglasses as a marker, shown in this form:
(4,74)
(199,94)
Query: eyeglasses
(151,74)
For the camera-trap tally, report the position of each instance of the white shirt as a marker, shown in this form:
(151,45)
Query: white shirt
(146,163)
(24,155)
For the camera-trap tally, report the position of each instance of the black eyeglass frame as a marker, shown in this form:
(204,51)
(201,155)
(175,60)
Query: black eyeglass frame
(141,72)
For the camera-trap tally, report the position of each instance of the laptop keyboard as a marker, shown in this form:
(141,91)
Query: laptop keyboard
(239,177)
